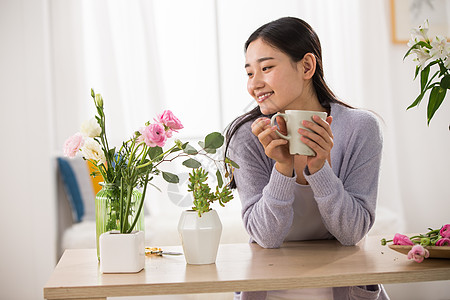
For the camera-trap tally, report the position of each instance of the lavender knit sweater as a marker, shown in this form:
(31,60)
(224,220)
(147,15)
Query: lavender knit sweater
(345,193)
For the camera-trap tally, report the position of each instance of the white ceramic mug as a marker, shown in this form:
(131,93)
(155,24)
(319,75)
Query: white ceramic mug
(294,119)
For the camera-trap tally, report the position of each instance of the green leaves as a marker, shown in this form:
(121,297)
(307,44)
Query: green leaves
(437,95)
(188,149)
(155,153)
(212,142)
(170,177)
(219,178)
(192,163)
(201,192)
(445,82)
(229,161)
(438,86)
(424,78)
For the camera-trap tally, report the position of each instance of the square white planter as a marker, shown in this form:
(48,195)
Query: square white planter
(122,253)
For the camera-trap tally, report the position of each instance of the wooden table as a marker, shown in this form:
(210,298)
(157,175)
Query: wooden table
(244,267)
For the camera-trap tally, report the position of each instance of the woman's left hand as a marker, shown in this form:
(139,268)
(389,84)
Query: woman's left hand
(320,140)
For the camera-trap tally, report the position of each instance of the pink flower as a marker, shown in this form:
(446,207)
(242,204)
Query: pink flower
(443,242)
(445,231)
(170,121)
(154,135)
(73,144)
(418,253)
(400,239)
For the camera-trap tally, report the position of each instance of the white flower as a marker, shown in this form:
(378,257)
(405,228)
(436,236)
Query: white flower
(440,48)
(423,56)
(91,128)
(92,150)
(99,100)
(414,40)
(447,62)
(421,31)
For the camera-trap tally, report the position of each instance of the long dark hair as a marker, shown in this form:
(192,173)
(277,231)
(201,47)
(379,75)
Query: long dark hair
(295,38)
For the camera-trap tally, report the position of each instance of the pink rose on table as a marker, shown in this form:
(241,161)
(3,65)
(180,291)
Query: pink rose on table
(73,144)
(443,242)
(170,121)
(418,253)
(400,239)
(154,135)
(445,231)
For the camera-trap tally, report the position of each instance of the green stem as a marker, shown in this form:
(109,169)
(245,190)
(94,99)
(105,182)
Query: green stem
(125,219)
(121,204)
(141,204)
(99,168)
(156,158)
(134,148)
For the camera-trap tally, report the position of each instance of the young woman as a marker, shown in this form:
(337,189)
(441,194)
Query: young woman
(291,197)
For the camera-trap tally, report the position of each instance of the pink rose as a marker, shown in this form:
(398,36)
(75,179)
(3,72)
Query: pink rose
(170,121)
(154,135)
(443,242)
(400,239)
(445,231)
(73,144)
(418,253)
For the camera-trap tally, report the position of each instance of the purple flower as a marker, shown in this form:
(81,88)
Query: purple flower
(418,253)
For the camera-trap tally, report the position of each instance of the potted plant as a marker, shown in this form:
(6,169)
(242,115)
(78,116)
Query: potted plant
(430,52)
(200,228)
(124,169)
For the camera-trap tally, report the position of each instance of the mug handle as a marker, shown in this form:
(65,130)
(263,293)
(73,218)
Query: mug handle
(272,122)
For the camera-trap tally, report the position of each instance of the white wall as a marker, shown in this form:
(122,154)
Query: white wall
(27,254)
(27,116)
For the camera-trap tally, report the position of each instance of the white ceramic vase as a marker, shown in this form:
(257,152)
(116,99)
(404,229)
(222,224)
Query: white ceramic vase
(200,236)
(122,253)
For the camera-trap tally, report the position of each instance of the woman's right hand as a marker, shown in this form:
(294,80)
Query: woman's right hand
(275,147)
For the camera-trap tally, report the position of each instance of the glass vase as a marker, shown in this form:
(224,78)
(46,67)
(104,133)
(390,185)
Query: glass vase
(107,210)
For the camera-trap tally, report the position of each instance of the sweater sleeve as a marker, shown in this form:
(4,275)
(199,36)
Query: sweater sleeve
(266,195)
(347,200)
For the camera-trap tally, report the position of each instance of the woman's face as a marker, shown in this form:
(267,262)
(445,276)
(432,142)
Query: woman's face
(274,81)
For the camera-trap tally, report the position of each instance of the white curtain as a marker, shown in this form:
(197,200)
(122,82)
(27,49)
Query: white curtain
(146,56)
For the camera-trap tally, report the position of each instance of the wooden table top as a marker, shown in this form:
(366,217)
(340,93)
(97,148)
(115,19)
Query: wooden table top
(244,267)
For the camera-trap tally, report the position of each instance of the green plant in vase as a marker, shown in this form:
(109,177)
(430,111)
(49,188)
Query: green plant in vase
(430,53)
(202,193)
(200,228)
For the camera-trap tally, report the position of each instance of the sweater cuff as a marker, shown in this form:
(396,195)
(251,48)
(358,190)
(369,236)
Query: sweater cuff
(280,186)
(321,182)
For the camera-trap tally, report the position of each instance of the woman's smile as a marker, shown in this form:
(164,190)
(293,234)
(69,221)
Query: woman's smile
(260,97)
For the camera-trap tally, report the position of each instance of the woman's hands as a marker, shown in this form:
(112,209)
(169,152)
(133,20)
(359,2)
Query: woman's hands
(320,140)
(275,147)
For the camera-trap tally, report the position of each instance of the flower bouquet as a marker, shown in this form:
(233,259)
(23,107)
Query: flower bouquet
(135,163)
(434,243)
(430,53)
